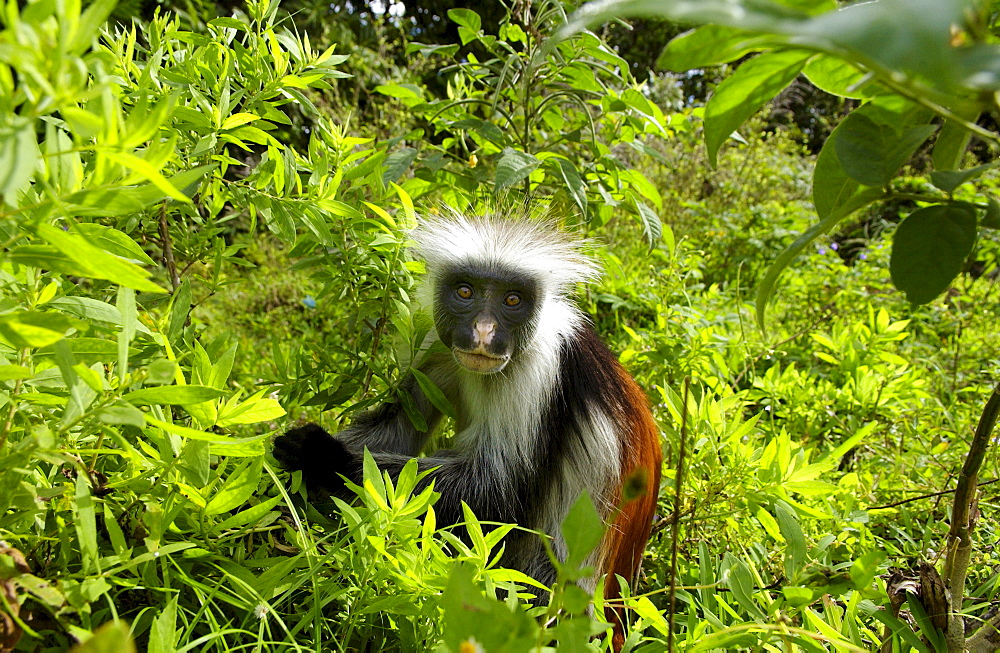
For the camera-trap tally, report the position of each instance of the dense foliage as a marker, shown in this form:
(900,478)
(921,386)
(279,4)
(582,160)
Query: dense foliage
(205,233)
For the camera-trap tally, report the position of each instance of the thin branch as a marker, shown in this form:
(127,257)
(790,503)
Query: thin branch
(958,545)
(926,496)
(678,483)
(168,248)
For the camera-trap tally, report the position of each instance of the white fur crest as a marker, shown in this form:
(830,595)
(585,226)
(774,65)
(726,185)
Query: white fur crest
(535,248)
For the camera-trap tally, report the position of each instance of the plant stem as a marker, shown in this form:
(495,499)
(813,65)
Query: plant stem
(675,531)
(963,517)
(168,248)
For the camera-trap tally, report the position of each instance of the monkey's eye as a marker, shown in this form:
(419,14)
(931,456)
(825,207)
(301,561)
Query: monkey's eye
(464,291)
(512,299)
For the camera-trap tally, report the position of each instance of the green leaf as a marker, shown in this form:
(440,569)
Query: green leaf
(163,632)
(575,186)
(89,26)
(123,200)
(396,164)
(89,350)
(239,486)
(512,167)
(19,155)
(174,395)
(952,141)
(466,18)
(872,153)
(112,637)
(95,262)
(929,248)
(144,168)
(582,529)
(250,516)
(433,393)
(837,77)
(740,582)
(122,412)
(745,91)
(791,531)
(193,434)
(24,329)
(9,372)
(484,128)
(992,218)
(85,523)
(92,310)
(710,45)
(949,180)
(652,227)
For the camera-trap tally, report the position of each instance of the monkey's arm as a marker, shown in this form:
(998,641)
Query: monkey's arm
(325,461)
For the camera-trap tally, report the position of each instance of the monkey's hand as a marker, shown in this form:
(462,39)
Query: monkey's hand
(321,457)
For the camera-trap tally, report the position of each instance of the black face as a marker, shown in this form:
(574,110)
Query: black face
(485,315)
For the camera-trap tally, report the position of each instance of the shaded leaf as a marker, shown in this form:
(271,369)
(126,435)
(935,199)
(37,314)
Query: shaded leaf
(745,91)
(513,167)
(929,248)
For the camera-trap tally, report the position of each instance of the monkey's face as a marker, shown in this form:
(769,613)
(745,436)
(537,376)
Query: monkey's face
(485,315)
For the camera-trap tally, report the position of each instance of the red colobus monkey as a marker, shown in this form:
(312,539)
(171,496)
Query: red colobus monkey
(544,410)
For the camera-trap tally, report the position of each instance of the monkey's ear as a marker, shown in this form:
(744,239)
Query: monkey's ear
(321,457)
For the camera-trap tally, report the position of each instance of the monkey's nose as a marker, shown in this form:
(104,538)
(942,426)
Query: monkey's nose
(484,331)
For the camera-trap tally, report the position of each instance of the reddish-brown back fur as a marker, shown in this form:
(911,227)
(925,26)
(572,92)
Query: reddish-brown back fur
(629,531)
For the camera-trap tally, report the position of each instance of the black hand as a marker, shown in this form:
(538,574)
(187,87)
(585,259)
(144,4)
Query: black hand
(321,457)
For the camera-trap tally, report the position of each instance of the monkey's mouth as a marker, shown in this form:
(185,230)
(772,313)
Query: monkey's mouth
(479,362)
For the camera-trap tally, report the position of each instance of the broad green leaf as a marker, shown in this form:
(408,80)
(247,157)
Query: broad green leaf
(163,632)
(838,77)
(239,486)
(97,263)
(92,310)
(872,153)
(652,228)
(953,139)
(992,218)
(484,128)
(791,531)
(88,350)
(433,393)
(240,447)
(88,28)
(576,188)
(146,170)
(195,462)
(513,167)
(396,164)
(122,412)
(175,395)
(19,155)
(929,248)
(24,329)
(122,200)
(710,45)
(114,242)
(254,410)
(9,372)
(741,584)
(85,523)
(466,18)
(582,529)
(250,516)
(112,637)
(745,91)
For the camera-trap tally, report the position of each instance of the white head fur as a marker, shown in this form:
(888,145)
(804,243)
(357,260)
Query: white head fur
(532,247)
